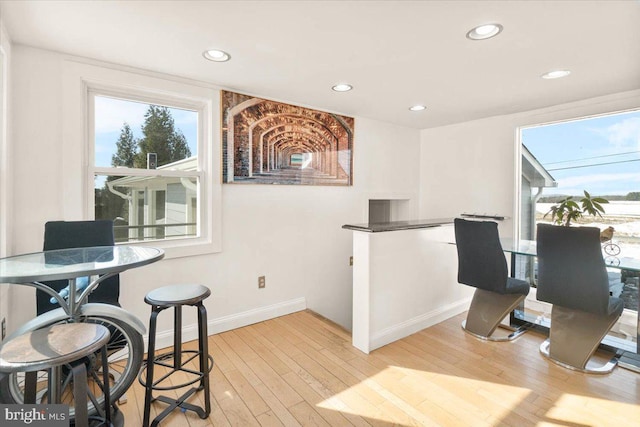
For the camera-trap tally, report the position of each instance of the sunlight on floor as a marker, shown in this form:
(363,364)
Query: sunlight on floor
(570,409)
(429,398)
(412,397)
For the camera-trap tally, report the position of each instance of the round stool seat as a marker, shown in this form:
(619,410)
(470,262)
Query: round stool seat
(52,346)
(177,295)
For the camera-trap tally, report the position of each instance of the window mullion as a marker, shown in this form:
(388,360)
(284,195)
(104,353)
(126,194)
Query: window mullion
(144,172)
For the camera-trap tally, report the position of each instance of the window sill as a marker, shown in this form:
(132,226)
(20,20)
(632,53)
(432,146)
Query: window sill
(180,248)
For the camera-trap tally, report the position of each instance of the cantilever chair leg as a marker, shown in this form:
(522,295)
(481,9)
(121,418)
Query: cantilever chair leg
(574,338)
(487,311)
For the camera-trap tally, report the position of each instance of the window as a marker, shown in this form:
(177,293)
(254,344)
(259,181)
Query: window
(92,93)
(145,168)
(600,155)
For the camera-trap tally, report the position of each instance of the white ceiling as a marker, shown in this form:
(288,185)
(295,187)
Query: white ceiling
(394,53)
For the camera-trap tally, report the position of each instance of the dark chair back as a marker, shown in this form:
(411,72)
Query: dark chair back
(79,234)
(481,261)
(571,270)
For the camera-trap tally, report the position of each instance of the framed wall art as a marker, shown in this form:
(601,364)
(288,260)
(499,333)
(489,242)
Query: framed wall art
(268,142)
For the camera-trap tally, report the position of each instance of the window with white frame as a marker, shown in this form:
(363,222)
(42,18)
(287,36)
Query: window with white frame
(600,155)
(144,165)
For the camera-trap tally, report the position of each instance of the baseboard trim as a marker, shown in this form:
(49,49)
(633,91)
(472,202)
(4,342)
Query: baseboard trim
(418,323)
(226,323)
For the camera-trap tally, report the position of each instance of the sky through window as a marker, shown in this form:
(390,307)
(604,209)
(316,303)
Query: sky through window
(112,113)
(598,154)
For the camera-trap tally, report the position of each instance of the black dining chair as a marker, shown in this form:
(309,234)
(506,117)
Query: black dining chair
(572,276)
(482,264)
(79,234)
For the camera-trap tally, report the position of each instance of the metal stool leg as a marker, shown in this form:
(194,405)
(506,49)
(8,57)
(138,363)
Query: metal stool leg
(203,338)
(177,337)
(30,382)
(150,358)
(106,386)
(80,395)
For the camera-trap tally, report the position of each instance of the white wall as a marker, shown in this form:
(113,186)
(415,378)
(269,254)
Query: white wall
(290,234)
(5,164)
(470,167)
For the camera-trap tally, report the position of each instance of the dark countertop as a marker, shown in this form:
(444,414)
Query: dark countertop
(398,225)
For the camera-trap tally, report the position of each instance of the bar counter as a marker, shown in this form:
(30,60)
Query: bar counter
(404,279)
(398,225)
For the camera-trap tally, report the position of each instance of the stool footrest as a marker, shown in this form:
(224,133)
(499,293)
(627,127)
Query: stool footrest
(178,403)
(158,360)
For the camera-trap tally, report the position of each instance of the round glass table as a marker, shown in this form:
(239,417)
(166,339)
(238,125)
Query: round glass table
(125,348)
(70,264)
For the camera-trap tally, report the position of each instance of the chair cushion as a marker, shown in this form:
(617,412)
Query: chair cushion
(517,286)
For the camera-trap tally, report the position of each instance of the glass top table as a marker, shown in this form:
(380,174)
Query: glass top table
(98,262)
(76,262)
(528,248)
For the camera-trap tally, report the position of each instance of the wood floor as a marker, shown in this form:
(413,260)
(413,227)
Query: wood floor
(300,369)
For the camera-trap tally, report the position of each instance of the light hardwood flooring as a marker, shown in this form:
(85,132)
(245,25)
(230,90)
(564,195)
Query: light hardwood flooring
(301,369)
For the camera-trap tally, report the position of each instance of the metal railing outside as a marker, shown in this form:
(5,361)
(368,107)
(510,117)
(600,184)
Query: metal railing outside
(123,232)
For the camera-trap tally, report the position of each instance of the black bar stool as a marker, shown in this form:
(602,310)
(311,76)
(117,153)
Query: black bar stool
(51,348)
(176,296)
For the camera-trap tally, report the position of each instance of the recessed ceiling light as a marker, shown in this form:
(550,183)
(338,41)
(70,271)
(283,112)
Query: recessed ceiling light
(216,55)
(556,74)
(342,87)
(418,107)
(484,32)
